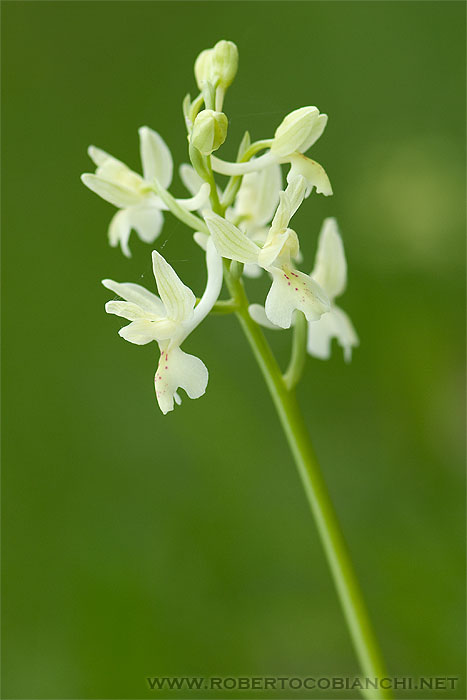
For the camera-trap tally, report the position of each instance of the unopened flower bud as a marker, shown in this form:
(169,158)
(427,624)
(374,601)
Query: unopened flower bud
(203,68)
(298,131)
(209,131)
(218,65)
(225,62)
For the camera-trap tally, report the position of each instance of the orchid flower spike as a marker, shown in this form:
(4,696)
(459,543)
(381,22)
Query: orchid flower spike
(168,319)
(290,288)
(139,207)
(330,271)
(297,132)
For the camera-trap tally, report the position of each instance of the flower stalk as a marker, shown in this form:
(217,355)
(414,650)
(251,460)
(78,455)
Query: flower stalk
(332,539)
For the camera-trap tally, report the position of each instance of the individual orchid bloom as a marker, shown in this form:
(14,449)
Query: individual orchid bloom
(330,271)
(139,207)
(298,131)
(168,319)
(290,288)
(257,198)
(254,207)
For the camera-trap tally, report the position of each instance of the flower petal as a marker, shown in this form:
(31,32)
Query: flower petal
(283,213)
(252,270)
(268,188)
(258,314)
(119,231)
(126,309)
(230,241)
(155,157)
(313,172)
(118,195)
(258,195)
(318,128)
(334,324)
(142,331)
(147,221)
(298,131)
(97,155)
(346,334)
(285,243)
(330,269)
(113,170)
(190,178)
(292,290)
(296,191)
(178,299)
(136,294)
(178,369)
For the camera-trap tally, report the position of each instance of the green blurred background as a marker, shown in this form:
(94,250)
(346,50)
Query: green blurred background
(139,545)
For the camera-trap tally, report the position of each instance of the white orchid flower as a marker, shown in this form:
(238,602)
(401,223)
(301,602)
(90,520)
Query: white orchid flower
(254,207)
(330,272)
(298,131)
(168,319)
(139,207)
(290,288)
(257,198)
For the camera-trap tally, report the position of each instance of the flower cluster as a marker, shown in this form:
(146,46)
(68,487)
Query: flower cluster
(244,229)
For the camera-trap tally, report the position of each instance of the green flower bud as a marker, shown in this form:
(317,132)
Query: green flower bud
(218,65)
(209,131)
(203,68)
(225,62)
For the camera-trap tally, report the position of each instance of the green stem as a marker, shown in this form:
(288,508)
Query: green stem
(297,360)
(332,539)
